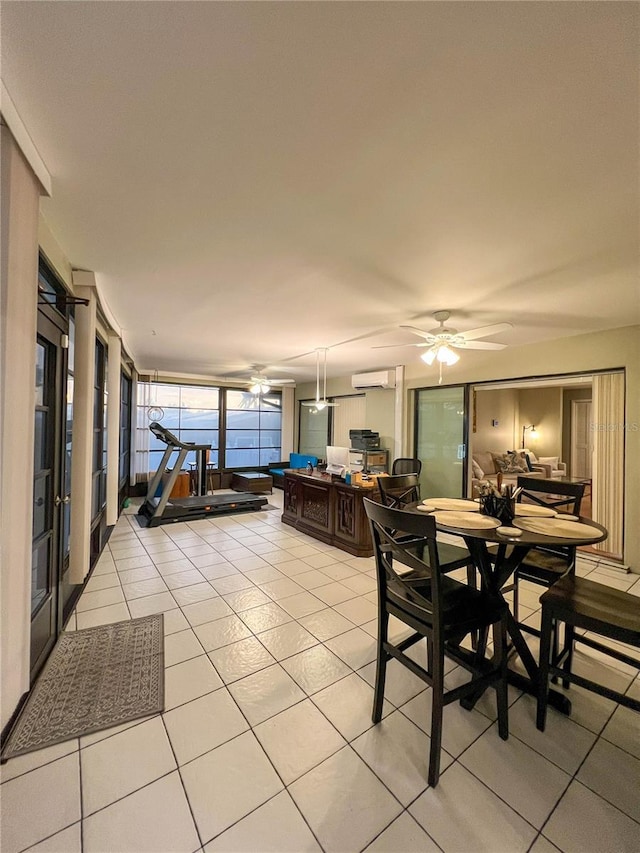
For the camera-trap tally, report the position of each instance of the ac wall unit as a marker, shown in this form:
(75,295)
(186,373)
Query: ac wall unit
(378,379)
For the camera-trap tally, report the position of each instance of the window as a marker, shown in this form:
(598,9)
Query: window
(125,429)
(243,430)
(99,467)
(253,429)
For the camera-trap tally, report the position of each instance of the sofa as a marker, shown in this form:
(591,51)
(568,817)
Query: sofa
(551,465)
(296,460)
(486,465)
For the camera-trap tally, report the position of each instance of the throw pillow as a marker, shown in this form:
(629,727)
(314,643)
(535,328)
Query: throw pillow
(511,463)
(522,459)
(478,473)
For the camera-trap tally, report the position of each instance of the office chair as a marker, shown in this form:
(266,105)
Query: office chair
(404,465)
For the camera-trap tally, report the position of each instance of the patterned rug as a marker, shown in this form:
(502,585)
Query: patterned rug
(94,679)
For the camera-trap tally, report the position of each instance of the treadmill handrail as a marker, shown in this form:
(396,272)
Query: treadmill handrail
(170,439)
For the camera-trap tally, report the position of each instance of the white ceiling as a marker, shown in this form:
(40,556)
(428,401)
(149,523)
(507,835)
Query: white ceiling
(250,181)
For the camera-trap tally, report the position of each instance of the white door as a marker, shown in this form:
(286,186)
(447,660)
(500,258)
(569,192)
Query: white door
(581,444)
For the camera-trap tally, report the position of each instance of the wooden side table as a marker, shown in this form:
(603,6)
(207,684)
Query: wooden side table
(252,481)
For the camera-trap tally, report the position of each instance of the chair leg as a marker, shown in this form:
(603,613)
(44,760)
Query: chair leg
(515,597)
(437,709)
(381,666)
(473,583)
(568,654)
(502,697)
(543,672)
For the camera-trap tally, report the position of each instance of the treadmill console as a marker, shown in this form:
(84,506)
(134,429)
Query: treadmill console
(164,435)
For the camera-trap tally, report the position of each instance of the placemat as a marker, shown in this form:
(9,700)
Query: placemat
(456,504)
(557,527)
(470,520)
(535,511)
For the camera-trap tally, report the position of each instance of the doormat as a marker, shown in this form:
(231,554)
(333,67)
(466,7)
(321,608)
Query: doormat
(94,679)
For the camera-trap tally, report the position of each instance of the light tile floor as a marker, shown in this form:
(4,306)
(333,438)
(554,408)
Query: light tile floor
(266,743)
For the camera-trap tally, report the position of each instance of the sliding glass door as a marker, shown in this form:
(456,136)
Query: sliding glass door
(440,440)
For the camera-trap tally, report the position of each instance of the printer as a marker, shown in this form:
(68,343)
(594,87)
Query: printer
(364,439)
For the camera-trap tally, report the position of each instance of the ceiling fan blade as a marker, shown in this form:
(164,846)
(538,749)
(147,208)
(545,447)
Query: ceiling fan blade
(389,346)
(485,331)
(426,335)
(477,345)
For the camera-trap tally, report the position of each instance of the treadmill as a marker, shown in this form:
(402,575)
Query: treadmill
(164,509)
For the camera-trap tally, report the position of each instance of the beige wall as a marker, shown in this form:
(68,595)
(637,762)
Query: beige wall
(542,407)
(492,406)
(18,310)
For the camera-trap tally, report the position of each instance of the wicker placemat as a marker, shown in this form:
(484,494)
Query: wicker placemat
(455,504)
(469,520)
(558,527)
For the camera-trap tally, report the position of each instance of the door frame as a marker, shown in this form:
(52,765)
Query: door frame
(52,329)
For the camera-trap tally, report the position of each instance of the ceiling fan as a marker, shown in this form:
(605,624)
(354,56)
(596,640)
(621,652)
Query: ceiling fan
(442,341)
(260,384)
(320,403)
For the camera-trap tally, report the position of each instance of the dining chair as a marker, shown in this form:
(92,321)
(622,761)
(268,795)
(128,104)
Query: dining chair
(580,603)
(439,609)
(545,565)
(406,465)
(399,492)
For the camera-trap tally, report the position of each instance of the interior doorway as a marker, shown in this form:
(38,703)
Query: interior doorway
(581,435)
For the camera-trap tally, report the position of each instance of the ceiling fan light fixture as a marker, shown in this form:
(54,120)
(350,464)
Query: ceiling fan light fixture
(447,355)
(429,356)
(256,389)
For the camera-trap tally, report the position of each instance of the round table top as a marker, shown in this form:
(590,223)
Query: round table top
(526,538)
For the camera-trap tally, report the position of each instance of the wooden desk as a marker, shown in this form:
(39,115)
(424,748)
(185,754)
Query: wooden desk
(329,510)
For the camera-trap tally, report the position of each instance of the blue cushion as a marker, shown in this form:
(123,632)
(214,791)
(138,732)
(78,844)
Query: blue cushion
(279,472)
(300,460)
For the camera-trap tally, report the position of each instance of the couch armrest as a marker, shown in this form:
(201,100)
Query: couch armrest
(544,469)
(562,466)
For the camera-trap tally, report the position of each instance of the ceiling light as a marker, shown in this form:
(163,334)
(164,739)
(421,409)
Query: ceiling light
(255,389)
(447,355)
(320,403)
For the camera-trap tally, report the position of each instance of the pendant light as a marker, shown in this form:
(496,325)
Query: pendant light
(320,403)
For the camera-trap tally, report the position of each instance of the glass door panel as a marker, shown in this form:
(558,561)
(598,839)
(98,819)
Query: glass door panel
(440,440)
(45,566)
(314,432)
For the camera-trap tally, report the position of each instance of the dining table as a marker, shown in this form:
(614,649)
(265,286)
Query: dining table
(531,527)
